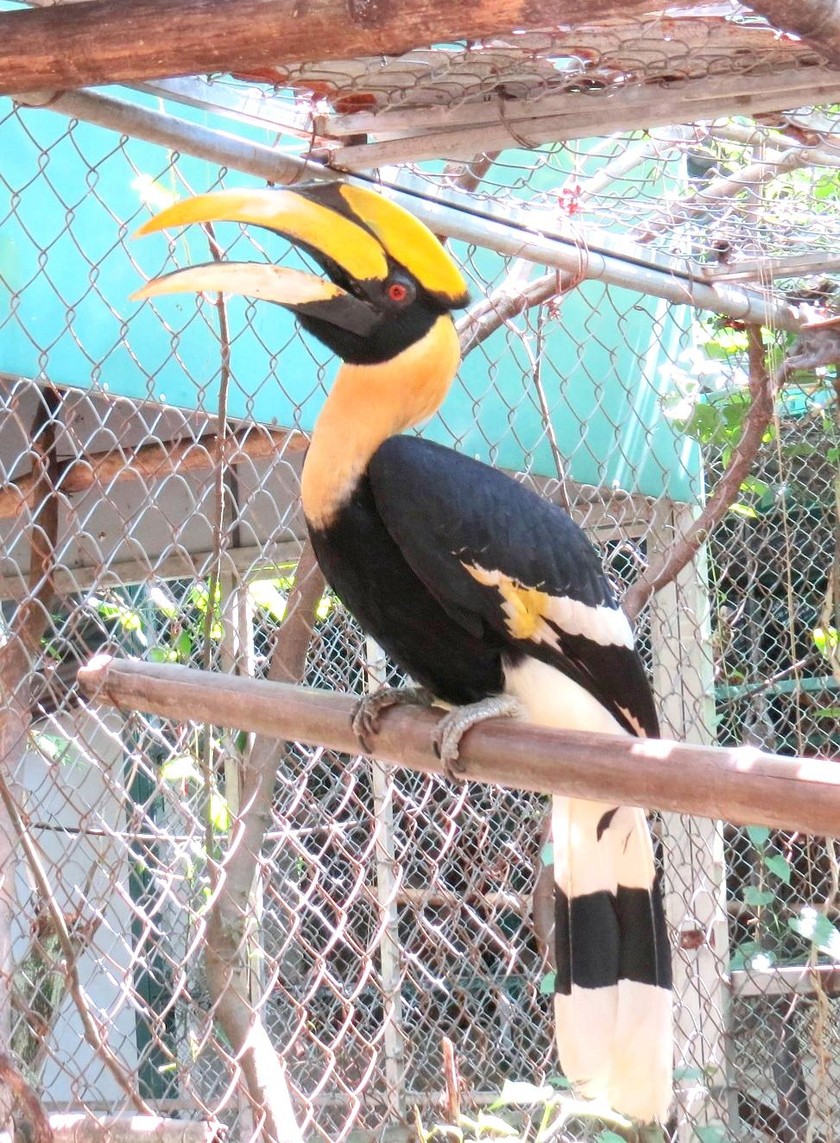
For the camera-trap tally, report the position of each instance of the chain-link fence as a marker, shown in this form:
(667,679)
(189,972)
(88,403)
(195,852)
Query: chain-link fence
(150,456)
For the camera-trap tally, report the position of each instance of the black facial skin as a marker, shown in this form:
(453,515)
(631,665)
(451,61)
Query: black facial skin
(399,324)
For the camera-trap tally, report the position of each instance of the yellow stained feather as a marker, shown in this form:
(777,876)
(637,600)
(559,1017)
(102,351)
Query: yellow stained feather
(525,607)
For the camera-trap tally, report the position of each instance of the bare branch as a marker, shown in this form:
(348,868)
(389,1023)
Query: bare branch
(31,616)
(510,300)
(230,916)
(685,547)
(17,656)
(288,660)
(725,187)
(35,1123)
(39,984)
(467,176)
(93,1032)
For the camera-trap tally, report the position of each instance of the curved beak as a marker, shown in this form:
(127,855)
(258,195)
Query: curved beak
(300,292)
(354,233)
(347,252)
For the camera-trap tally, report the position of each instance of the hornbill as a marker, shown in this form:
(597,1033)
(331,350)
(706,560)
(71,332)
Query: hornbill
(482,591)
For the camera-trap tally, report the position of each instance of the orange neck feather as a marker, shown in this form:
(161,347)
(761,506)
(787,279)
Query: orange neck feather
(368,404)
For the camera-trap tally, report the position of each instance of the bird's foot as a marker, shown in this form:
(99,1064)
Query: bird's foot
(369,710)
(453,726)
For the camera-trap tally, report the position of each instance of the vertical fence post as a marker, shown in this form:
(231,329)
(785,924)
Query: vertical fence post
(236,656)
(387,888)
(694,869)
(13,730)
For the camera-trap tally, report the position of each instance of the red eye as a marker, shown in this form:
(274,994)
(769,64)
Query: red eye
(397,292)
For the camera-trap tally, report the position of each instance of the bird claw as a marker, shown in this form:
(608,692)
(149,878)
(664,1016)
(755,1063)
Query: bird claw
(446,739)
(367,716)
(445,743)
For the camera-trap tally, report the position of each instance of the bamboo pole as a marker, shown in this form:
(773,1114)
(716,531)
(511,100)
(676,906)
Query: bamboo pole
(744,785)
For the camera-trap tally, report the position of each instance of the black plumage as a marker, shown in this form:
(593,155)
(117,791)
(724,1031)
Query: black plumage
(395,554)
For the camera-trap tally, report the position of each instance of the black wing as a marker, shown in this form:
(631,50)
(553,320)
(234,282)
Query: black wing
(493,552)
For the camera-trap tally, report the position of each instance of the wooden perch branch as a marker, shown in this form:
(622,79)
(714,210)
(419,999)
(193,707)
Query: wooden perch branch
(153,462)
(743,785)
(685,547)
(108,41)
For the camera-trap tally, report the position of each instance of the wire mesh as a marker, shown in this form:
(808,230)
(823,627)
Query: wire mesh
(150,508)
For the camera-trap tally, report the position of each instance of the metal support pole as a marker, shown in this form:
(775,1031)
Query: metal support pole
(631,267)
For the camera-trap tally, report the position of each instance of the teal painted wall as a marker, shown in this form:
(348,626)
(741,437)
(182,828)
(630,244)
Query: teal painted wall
(68,199)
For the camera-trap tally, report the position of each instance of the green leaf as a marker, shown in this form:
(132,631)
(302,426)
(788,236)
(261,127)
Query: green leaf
(818,929)
(607,1136)
(54,747)
(266,595)
(129,618)
(687,1073)
(184,645)
(742,953)
(758,835)
(711,1133)
(493,1125)
(520,1092)
(756,897)
(163,602)
(547,853)
(825,640)
(547,984)
(778,866)
(704,424)
(799,450)
(827,712)
(734,414)
(743,510)
(754,485)
(161,655)
(181,768)
(219,812)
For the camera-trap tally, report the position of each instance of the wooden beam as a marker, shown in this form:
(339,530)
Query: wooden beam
(156,461)
(256,561)
(465,130)
(84,1128)
(817,22)
(783,980)
(111,41)
(744,786)
(581,115)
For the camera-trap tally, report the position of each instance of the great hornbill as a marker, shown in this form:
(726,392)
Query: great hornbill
(476,586)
